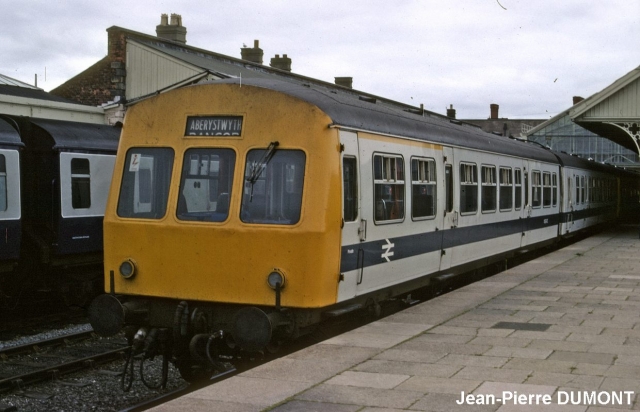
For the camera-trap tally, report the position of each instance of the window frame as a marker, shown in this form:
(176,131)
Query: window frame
(505,185)
(491,186)
(546,189)
(391,175)
(429,171)
(473,183)
(536,189)
(353,188)
(202,173)
(517,187)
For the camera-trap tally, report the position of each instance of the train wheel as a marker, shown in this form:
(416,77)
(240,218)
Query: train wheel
(193,372)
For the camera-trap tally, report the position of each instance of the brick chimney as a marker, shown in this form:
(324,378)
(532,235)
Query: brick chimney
(344,82)
(282,63)
(173,31)
(254,54)
(494,110)
(577,99)
(451,112)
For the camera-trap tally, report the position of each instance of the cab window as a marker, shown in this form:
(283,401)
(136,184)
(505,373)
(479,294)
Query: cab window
(144,190)
(273,181)
(205,184)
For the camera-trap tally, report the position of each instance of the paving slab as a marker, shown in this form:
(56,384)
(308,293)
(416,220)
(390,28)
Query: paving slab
(565,324)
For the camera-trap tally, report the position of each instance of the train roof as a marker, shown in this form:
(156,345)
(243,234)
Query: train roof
(366,114)
(80,136)
(8,135)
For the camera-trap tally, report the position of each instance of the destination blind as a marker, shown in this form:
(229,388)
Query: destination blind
(214,126)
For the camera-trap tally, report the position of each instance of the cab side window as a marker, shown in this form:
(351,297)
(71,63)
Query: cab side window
(350,188)
(80,184)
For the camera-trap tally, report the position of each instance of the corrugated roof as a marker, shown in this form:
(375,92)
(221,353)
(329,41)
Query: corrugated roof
(8,81)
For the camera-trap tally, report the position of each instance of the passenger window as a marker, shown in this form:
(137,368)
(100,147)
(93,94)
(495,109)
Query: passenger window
(536,189)
(388,188)
(423,183)
(582,189)
(80,184)
(488,189)
(273,186)
(3,183)
(546,189)
(350,188)
(518,189)
(205,184)
(577,189)
(146,179)
(468,188)
(506,189)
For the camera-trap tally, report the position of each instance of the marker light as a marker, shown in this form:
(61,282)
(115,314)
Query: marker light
(274,278)
(127,269)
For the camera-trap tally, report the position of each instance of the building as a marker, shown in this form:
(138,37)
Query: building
(517,128)
(139,65)
(21,99)
(603,127)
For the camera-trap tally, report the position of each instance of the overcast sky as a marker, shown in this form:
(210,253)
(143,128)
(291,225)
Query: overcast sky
(529,56)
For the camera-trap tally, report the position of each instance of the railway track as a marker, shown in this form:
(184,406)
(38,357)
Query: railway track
(50,359)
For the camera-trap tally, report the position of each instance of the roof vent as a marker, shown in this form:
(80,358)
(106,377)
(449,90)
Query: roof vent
(368,99)
(173,31)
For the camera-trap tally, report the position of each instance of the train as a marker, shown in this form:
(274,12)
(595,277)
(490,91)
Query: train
(243,213)
(54,180)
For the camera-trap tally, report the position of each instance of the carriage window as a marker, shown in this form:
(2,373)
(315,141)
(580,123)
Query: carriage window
(536,189)
(488,189)
(423,183)
(80,184)
(273,186)
(554,188)
(3,183)
(577,189)
(388,188)
(468,188)
(518,189)
(205,184)
(546,189)
(583,189)
(145,183)
(350,188)
(506,189)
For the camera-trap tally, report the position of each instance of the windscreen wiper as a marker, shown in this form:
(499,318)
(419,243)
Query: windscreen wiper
(258,167)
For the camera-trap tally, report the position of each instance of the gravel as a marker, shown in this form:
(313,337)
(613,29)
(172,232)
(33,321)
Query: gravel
(93,390)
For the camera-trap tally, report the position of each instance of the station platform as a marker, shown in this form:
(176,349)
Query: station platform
(558,333)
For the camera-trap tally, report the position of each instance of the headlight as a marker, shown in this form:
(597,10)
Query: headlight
(274,278)
(127,269)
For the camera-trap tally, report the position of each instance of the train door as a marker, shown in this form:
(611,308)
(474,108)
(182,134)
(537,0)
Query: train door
(10,208)
(450,214)
(353,224)
(524,196)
